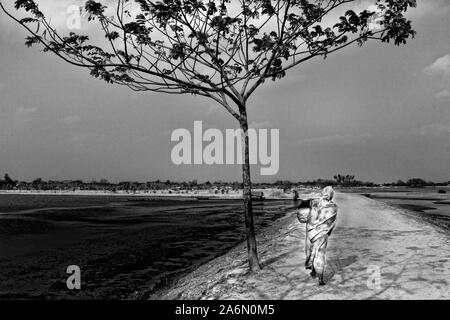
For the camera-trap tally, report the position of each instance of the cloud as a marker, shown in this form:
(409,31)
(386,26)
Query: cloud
(434,130)
(88,137)
(143,139)
(22,111)
(428,8)
(63,16)
(24,115)
(259,125)
(212,109)
(54,9)
(337,139)
(441,67)
(17,118)
(443,95)
(69,120)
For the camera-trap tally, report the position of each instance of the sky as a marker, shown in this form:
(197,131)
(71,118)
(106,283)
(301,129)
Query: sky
(379,112)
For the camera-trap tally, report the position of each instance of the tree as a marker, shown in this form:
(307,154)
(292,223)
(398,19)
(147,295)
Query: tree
(220,49)
(345,181)
(416,183)
(8,179)
(37,183)
(7,183)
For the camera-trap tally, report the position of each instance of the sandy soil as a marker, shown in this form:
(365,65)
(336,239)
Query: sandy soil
(375,252)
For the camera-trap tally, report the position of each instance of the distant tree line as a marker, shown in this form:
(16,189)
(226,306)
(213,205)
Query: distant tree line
(342,181)
(350,181)
(418,183)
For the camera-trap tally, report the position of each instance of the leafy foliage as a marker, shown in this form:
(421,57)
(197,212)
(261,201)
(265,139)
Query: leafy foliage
(221,49)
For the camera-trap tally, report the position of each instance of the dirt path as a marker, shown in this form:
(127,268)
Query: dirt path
(375,252)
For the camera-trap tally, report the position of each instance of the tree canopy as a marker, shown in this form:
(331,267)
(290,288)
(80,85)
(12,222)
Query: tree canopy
(221,49)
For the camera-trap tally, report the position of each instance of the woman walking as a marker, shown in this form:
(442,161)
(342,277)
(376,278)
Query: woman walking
(320,217)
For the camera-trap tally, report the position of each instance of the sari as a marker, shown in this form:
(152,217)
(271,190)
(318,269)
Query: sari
(320,223)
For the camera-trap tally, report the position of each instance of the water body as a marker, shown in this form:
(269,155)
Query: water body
(126,247)
(428,203)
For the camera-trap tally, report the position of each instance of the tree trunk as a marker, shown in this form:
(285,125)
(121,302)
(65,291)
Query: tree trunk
(253,260)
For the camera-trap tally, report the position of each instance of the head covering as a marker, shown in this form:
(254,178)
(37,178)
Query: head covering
(320,223)
(327,193)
